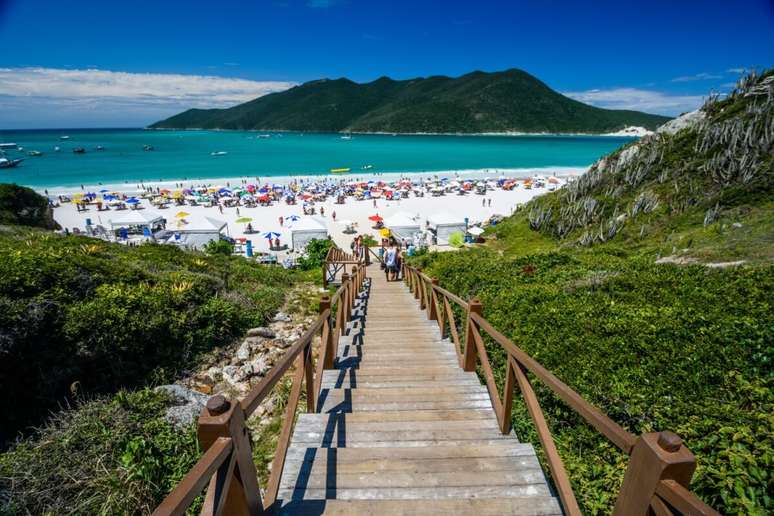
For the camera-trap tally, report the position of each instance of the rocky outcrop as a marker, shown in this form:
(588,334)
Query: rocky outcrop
(186,404)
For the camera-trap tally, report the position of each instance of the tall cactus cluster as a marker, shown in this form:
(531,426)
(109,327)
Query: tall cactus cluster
(730,145)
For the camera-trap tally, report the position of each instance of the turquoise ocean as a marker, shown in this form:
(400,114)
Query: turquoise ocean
(186,155)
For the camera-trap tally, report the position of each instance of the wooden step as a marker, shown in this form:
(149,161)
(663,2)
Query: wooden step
(537,488)
(523,506)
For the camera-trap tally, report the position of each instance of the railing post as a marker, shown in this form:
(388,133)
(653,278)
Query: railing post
(469,355)
(422,290)
(416,280)
(432,308)
(326,342)
(345,301)
(325,274)
(353,285)
(222,418)
(655,457)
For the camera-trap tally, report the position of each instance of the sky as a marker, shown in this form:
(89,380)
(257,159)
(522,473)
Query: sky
(69,64)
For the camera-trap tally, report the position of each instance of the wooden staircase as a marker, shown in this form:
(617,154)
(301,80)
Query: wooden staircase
(402,429)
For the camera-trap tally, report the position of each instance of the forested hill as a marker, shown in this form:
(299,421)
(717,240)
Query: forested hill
(478,102)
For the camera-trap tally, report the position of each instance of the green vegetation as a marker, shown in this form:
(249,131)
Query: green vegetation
(316,251)
(656,346)
(81,315)
(511,100)
(219,247)
(22,206)
(107,456)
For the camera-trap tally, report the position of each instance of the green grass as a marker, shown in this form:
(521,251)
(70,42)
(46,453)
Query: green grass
(113,455)
(78,314)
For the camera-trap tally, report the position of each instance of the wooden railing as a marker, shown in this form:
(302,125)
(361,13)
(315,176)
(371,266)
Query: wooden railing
(660,467)
(226,468)
(336,261)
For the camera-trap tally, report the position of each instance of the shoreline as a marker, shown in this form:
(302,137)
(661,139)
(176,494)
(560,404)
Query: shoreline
(132,186)
(638,132)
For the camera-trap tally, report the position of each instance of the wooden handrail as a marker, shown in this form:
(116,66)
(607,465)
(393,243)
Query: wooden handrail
(609,428)
(658,473)
(227,464)
(195,480)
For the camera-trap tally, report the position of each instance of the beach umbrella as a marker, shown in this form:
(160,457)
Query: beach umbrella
(243,220)
(132,200)
(182,214)
(292,218)
(375,218)
(271,234)
(104,191)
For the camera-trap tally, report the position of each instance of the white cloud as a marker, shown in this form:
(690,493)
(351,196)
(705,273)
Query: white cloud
(697,77)
(118,98)
(736,70)
(649,101)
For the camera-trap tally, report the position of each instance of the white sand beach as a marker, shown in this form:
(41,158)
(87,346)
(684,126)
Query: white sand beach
(266,218)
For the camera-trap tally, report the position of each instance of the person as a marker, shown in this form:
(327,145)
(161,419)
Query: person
(220,208)
(334,215)
(281,220)
(490,202)
(277,243)
(391,262)
(237,211)
(249,228)
(322,211)
(483,203)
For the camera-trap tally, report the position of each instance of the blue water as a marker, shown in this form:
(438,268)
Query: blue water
(185,155)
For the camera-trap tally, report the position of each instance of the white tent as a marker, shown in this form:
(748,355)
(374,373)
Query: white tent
(402,225)
(202,225)
(306,229)
(444,224)
(137,218)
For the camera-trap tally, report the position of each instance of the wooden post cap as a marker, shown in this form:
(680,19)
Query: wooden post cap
(434,281)
(218,405)
(669,441)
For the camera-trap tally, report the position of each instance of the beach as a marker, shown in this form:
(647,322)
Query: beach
(267,218)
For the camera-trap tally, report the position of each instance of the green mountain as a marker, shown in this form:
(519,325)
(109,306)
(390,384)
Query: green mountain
(478,102)
(646,286)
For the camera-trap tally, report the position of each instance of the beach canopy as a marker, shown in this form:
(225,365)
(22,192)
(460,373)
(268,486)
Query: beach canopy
(306,230)
(204,224)
(136,218)
(475,231)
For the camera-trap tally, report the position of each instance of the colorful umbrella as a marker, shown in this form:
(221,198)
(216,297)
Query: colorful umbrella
(375,218)
(293,218)
(243,220)
(271,234)
(182,214)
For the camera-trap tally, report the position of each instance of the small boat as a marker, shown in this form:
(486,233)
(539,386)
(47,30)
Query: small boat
(34,153)
(366,167)
(263,136)
(57,149)
(346,137)
(79,150)
(99,147)
(64,137)
(9,163)
(340,170)
(218,153)
(8,146)
(147,147)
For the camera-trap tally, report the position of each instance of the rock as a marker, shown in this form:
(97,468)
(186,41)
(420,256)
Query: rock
(257,367)
(736,225)
(282,317)
(186,407)
(244,351)
(261,332)
(231,374)
(684,121)
(281,343)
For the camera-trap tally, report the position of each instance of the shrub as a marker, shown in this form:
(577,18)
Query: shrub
(106,456)
(656,347)
(75,311)
(223,247)
(315,251)
(23,206)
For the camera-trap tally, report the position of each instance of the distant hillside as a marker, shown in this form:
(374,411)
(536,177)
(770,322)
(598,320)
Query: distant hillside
(478,102)
(700,188)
